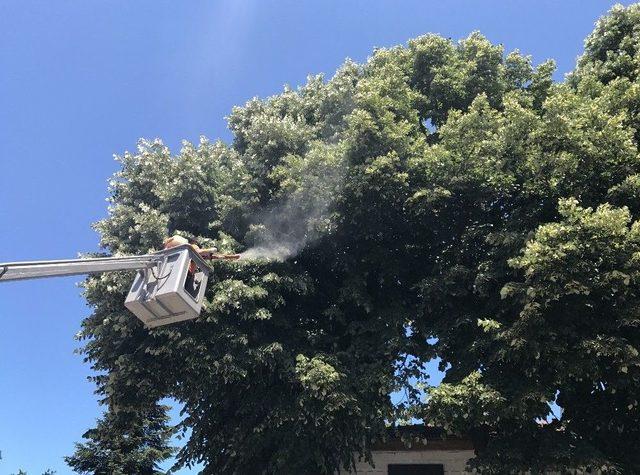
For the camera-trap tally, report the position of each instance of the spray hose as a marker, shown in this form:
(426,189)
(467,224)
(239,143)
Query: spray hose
(212,254)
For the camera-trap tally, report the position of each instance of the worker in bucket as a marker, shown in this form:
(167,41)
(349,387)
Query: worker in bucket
(192,285)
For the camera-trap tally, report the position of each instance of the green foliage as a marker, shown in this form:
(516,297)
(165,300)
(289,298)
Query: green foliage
(125,441)
(442,199)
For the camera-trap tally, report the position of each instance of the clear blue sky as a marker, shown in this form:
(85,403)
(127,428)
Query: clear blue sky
(81,80)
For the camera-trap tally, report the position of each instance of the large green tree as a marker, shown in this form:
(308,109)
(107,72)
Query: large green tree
(441,200)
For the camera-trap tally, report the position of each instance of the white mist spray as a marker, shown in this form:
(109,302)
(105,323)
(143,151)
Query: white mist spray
(285,229)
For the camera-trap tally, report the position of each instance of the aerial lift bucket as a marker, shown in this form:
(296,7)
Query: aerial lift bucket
(172,290)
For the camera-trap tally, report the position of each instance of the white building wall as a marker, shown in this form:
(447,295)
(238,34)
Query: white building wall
(454,461)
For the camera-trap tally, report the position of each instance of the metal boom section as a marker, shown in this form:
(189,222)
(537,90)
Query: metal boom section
(39,269)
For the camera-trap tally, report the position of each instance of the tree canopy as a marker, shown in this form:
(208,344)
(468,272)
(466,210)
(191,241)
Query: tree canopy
(444,199)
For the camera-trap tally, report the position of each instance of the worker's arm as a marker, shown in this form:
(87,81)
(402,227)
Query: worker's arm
(209,254)
(212,253)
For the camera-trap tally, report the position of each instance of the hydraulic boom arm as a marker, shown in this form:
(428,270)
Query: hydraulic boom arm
(39,269)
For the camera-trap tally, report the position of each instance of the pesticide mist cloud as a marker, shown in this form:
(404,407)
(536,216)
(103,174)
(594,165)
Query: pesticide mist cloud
(275,252)
(286,229)
(302,217)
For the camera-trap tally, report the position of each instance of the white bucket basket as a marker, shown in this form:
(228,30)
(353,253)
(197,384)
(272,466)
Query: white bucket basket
(171,291)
